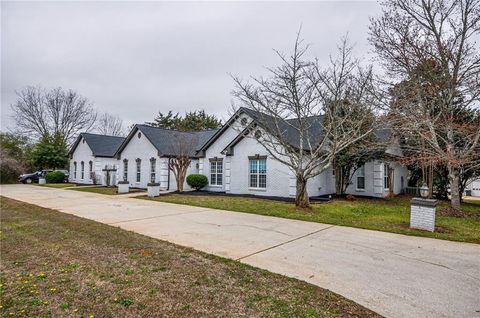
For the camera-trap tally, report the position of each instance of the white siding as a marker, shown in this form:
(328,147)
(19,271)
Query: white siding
(374,183)
(475,187)
(215,151)
(100,164)
(278,175)
(84,153)
(81,153)
(139,148)
(143,149)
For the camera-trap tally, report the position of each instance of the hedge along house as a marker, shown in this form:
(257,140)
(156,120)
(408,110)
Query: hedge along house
(90,155)
(235,162)
(145,154)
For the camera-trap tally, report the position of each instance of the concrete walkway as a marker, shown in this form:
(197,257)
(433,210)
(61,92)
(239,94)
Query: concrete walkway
(394,275)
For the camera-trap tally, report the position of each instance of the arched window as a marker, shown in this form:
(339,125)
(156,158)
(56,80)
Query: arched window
(75,170)
(386,176)
(139,168)
(125,170)
(153,162)
(82,169)
(90,169)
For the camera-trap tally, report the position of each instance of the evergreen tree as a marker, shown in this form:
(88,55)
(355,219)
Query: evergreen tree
(50,153)
(191,121)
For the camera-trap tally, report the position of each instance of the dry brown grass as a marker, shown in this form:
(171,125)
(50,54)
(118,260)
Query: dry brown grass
(59,265)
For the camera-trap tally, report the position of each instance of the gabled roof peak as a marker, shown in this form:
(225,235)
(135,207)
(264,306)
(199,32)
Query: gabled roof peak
(101,145)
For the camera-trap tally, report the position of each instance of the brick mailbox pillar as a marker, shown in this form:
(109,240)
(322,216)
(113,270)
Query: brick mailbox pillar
(422,214)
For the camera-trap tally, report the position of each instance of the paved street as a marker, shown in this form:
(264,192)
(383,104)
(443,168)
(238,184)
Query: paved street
(394,275)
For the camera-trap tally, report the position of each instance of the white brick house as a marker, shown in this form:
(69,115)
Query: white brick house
(90,154)
(144,155)
(235,163)
(247,168)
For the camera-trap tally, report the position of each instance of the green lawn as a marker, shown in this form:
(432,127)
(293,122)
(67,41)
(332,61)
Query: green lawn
(59,265)
(103,190)
(57,185)
(100,190)
(389,215)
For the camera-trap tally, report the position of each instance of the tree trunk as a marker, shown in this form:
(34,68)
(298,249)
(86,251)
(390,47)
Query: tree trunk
(179,183)
(391,182)
(454,178)
(301,198)
(338,180)
(179,166)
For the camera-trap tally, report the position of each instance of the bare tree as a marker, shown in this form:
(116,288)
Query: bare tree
(108,124)
(182,147)
(38,113)
(10,167)
(429,48)
(305,112)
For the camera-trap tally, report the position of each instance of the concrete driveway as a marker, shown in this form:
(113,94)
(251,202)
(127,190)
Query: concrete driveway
(394,275)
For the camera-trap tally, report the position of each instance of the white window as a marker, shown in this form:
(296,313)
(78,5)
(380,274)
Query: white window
(82,167)
(125,170)
(258,173)
(216,172)
(361,178)
(75,170)
(386,176)
(152,169)
(139,166)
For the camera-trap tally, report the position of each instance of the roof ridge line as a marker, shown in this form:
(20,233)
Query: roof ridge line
(89,133)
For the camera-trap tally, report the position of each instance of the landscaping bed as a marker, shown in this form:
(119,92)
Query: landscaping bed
(59,265)
(389,215)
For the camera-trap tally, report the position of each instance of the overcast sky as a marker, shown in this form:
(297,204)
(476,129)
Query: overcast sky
(134,59)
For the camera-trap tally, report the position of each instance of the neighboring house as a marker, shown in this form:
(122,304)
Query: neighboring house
(233,160)
(145,154)
(473,187)
(90,155)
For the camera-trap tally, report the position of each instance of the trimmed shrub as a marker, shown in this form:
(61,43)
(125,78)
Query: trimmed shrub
(55,177)
(197,181)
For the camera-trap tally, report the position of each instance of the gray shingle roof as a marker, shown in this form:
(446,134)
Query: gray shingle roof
(169,142)
(101,145)
(288,128)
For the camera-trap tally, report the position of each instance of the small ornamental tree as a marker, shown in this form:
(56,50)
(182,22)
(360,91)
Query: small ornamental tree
(197,181)
(182,145)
